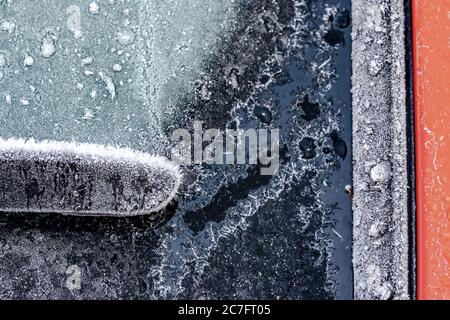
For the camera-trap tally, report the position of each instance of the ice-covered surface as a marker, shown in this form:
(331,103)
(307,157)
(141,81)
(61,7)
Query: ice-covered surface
(382,252)
(234,233)
(114,71)
(83,179)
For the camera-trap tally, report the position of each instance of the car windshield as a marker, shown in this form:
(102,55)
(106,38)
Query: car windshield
(131,73)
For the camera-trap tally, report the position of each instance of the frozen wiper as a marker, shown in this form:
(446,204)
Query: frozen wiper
(83,179)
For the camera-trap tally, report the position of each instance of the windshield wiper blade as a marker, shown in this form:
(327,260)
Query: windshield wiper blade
(83,179)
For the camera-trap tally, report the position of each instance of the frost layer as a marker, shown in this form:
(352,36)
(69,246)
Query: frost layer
(106,72)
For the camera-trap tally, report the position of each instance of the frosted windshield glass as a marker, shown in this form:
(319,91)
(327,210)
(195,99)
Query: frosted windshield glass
(106,72)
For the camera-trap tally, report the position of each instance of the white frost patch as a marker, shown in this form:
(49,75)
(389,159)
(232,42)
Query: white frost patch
(80,86)
(109,84)
(377,229)
(24,102)
(375,67)
(117,67)
(8,98)
(48,48)
(86,61)
(88,114)
(28,60)
(94,8)
(73,281)
(381,172)
(88,73)
(8,26)
(74,20)
(125,37)
(381,288)
(172,42)
(97,153)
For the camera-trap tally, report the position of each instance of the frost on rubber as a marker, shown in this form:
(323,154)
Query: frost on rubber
(83,179)
(383,257)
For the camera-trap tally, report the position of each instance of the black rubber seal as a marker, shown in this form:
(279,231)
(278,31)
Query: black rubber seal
(409,77)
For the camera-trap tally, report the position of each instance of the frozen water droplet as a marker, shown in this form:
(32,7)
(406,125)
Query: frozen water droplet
(2,60)
(377,229)
(87,61)
(88,73)
(8,26)
(381,172)
(8,98)
(73,281)
(109,84)
(94,7)
(117,67)
(80,86)
(37,97)
(24,102)
(279,58)
(88,114)
(74,20)
(28,60)
(375,67)
(233,78)
(205,93)
(93,94)
(48,48)
(386,292)
(125,38)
